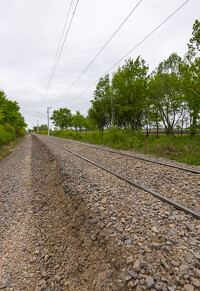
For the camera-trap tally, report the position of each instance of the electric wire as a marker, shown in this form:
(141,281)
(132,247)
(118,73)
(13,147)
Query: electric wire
(99,52)
(155,29)
(61,49)
(58,48)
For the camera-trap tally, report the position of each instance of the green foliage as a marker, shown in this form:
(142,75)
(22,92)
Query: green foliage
(78,121)
(132,100)
(11,121)
(180,148)
(8,148)
(190,84)
(195,40)
(9,112)
(7,133)
(129,85)
(100,111)
(43,127)
(165,92)
(43,132)
(20,131)
(62,118)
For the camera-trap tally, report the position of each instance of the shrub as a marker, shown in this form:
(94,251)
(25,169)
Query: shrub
(43,132)
(7,133)
(20,131)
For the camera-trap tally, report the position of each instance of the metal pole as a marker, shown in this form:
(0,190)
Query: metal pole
(37,127)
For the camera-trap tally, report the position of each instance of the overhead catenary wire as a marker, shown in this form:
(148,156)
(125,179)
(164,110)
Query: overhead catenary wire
(59,52)
(144,39)
(58,48)
(107,42)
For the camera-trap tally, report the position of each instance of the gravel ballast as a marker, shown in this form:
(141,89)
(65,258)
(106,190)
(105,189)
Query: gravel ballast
(70,225)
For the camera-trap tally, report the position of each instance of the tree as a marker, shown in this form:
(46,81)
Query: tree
(62,118)
(130,86)
(190,78)
(96,115)
(164,88)
(101,111)
(78,120)
(194,44)
(190,84)
(9,112)
(43,127)
(89,124)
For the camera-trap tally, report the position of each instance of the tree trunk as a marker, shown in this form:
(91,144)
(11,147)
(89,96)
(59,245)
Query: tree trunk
(182,127)
(134,123)
(193,125)
(157,129)
(112,110)
(147,131)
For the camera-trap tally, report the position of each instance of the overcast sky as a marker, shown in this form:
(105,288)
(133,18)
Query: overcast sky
(30,31)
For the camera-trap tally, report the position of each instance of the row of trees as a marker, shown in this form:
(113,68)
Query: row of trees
(169,97)
(42,127)
(63,118)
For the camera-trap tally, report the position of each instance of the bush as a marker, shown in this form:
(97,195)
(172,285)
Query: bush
(43,132)
(64,133)
(7,133)
(20,132)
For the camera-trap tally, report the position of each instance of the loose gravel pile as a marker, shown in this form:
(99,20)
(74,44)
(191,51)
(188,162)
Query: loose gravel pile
(68,225)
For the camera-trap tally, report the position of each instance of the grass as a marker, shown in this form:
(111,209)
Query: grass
(179,148)
(5,150)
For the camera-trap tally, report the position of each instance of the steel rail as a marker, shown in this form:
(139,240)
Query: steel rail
(139,158)
(155,194)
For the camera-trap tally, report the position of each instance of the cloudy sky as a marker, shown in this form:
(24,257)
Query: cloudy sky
(30,32)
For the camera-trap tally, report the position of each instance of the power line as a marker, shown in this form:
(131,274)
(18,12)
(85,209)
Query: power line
(61,48)
(133,48)
(49,81)
(100,51)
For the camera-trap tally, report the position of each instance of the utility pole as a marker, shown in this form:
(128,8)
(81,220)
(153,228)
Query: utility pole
(37,127)
(48,118)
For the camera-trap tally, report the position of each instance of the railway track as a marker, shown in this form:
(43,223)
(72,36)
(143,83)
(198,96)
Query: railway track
(146,189)
(130,233)
(194,171)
